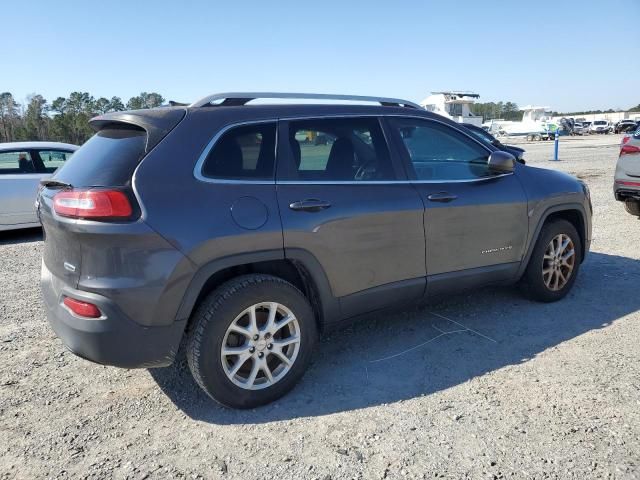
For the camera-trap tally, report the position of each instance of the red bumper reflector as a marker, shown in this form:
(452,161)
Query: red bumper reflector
(82,309)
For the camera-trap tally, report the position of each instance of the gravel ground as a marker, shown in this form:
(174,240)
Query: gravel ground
(483,385)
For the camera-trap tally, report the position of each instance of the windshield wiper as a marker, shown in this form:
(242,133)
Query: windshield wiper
(50,183)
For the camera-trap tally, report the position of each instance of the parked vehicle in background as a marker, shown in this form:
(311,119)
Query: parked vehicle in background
(258,239)
(625,126)
(587,127)
(485,136)
(579,129)
(22,166)
(600,126)
(626,187)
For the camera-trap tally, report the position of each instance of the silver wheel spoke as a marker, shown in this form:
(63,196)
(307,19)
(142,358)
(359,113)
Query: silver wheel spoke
(241,330)
(567,256)
(267,371)
(241,361)
(271,321)
(235,350)
(284,322)
(286,341)
(282,357)
(258,344)
(562,279)
(253,322)
(255,368)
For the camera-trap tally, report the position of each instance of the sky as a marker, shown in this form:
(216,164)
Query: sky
(569,55)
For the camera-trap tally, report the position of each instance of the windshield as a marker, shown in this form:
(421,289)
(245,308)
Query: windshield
(599,122)
(482,135)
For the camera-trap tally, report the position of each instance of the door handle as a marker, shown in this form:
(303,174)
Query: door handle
(309,205)
(443,197)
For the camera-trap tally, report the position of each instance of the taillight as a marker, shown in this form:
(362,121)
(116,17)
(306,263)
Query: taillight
(82,309)
(627,149)
(92,204)
(626,138)
(627,183)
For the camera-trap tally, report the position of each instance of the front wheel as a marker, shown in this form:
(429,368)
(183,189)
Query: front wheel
(554,263)
(251,340)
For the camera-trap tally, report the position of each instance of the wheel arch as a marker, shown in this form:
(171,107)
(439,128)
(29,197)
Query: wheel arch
(300,269)
(573,213)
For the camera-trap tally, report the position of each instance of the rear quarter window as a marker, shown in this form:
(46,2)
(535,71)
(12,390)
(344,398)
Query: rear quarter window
(243,153)
(106,159)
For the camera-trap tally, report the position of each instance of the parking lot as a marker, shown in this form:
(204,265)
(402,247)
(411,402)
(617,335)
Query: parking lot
(481,385)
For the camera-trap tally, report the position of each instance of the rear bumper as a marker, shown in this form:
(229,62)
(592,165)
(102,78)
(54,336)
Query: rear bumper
(113,339)
(623,193)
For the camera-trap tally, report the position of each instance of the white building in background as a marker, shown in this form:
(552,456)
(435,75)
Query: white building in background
(453,105)
(612,117)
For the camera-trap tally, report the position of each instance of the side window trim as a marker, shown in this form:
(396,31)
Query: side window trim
(398,152)
(197,169)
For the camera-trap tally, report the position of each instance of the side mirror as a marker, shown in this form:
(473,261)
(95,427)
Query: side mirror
(501,162)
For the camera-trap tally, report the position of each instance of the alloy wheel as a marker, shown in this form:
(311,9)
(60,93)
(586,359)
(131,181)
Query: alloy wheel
(558,262)
(260,346)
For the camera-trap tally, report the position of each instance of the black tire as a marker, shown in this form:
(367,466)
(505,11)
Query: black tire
(532,282)
(632,206)
(209,325)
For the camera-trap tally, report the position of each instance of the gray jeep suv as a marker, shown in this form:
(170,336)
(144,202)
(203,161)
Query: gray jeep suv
(249,228)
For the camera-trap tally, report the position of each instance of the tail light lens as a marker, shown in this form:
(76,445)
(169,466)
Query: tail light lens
(627,183)
(92,204)
(82,309)
(626,138)
(627,149)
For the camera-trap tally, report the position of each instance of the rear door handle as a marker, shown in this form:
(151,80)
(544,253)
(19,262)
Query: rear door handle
(309,205)
(443,197)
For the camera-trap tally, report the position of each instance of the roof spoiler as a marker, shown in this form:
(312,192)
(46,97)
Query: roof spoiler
(157,122)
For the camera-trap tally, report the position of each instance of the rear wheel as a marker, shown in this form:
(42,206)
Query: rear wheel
(251,341)
(632,206)
(554,262)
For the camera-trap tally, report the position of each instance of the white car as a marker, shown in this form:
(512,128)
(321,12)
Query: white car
(22,166)
(601,126)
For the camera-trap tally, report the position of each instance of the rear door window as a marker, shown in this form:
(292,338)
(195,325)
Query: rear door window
(106,159)
(16,162)
(342,149)
(243,153)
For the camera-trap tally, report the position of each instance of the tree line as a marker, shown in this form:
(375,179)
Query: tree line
(64,119)
(67,119)
(511,111)
(493,110)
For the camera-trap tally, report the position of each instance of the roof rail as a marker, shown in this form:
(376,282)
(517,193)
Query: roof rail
(241,98)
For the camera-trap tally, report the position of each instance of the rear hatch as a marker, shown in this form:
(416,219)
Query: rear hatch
(105,163)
